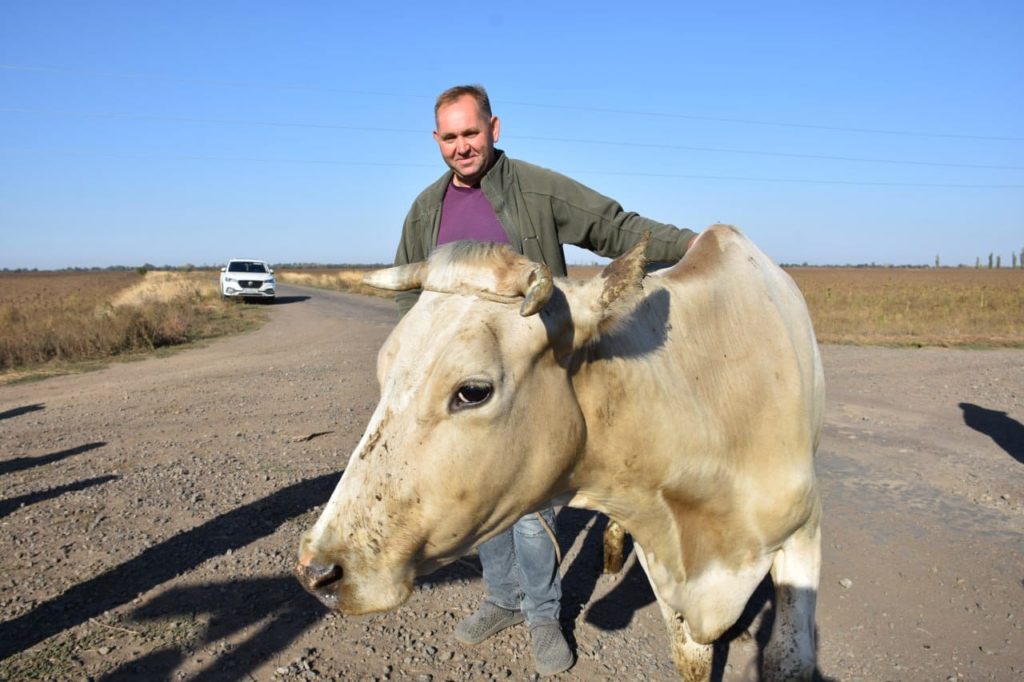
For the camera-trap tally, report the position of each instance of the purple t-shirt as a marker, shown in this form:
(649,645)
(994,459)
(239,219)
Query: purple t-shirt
(466,214)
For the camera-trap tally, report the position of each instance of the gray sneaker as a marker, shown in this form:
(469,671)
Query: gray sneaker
(551,652)
(486,621)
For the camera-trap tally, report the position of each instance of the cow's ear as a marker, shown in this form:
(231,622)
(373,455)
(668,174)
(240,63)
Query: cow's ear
(611,296)
(398,278)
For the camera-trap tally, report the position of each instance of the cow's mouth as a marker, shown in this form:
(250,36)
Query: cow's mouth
(318,578)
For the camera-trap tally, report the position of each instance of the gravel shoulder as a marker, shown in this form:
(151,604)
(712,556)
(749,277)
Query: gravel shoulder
(151,510)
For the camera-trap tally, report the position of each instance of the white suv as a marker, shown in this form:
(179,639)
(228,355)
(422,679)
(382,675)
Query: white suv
(247,278)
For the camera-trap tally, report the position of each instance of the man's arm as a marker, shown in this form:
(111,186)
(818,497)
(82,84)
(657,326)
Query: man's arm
(593,221)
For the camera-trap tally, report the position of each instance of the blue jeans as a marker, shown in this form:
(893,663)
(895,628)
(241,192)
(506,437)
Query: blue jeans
(521,571)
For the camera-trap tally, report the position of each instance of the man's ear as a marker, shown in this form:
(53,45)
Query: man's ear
(495,128)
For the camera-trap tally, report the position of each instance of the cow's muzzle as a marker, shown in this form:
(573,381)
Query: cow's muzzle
(318,577)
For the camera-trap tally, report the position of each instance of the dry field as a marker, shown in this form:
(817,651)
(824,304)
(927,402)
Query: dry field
(915,307)
(951,307)
(50,319)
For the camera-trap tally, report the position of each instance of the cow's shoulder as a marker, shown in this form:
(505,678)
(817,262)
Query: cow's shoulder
(718,248)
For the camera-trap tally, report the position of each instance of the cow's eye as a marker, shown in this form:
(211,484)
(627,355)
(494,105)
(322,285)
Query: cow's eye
(471,395)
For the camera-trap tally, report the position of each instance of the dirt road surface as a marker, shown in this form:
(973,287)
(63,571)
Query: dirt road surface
(151,511)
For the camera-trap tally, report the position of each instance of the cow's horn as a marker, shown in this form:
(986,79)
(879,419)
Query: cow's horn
(536,285)
(398,278)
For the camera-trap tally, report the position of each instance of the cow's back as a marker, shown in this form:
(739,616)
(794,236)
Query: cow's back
(728,287)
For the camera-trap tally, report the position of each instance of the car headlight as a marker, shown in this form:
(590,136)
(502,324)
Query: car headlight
(270,282)
(229,279)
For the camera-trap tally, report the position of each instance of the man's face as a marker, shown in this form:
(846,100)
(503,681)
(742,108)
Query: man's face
(466,139)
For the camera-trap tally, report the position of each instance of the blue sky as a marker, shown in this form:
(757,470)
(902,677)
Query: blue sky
(192,132)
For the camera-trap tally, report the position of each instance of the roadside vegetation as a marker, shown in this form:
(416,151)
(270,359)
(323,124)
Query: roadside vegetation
(52,320)
(953,307)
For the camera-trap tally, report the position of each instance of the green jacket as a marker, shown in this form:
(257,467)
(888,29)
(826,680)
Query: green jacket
(540,210)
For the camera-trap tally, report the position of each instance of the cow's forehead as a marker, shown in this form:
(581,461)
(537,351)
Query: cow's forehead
(464,316)
(454,329)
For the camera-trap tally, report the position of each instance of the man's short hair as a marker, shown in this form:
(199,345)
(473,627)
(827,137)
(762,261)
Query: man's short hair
(453,94)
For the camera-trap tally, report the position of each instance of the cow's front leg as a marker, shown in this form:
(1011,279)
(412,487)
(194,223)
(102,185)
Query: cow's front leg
(791,650)
(692,659)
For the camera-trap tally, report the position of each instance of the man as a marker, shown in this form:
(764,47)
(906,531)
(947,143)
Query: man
(486,196)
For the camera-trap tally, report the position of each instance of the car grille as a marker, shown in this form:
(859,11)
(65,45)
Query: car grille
(250,283)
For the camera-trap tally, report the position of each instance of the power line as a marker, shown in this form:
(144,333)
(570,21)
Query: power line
(778,124)
(201,81)
(77,153)
(203,120)
(331,162)
(590,109)
(648,145)
(791,155)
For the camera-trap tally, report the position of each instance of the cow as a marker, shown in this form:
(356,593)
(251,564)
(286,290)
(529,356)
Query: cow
(684,403)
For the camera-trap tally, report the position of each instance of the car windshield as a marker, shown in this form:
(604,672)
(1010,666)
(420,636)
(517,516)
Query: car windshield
(246,266)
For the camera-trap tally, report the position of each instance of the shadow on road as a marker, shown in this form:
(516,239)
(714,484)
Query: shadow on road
(615,610)
(163,562)
(22,463)
(18,411)
(1007,432)
(279,611)
(279,608)
(284,300)
(7,506)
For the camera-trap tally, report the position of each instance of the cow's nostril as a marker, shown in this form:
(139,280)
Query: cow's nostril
(319,575)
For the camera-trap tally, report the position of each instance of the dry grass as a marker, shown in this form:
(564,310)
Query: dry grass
(164,287)
(865,306)
(915,307)
(52,319)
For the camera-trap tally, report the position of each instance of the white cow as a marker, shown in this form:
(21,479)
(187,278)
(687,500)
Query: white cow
(685,404)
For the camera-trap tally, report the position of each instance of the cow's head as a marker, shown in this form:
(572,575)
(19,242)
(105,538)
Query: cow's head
(477,422)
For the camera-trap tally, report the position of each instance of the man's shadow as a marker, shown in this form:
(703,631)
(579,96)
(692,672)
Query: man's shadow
(1007,432)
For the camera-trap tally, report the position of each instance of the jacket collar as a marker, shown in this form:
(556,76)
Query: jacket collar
(493,181)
